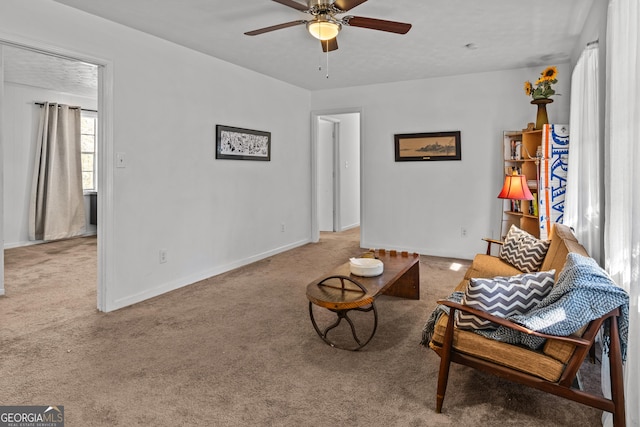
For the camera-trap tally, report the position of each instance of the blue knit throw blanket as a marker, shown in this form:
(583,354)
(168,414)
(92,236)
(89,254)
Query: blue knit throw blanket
(584,292)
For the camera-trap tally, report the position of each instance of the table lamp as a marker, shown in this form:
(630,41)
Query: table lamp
(515,188)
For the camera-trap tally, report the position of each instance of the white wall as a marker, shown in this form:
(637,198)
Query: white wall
(213,215)
(595,29)
(210,215)
(21,116)
(421,206)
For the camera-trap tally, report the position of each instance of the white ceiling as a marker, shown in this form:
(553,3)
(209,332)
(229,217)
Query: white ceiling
(50,72)
(506,34)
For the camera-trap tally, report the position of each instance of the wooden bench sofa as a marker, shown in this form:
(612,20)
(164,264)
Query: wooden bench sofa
(551,368)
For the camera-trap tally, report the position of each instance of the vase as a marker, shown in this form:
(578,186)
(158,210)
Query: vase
(541,116)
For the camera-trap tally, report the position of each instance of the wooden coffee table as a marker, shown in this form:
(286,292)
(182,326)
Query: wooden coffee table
(341,292)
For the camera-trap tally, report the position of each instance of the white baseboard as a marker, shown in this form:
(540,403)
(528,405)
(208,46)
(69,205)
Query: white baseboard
(349,227)
(39,242)
(21,244)
(194,278)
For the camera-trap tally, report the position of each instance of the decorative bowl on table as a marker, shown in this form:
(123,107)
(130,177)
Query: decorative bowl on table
(366,267)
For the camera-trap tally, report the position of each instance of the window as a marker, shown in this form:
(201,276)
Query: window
(88,135)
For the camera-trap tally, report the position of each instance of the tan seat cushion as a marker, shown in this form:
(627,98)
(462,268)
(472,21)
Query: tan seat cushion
(487,266)
(513,356)
(559,350)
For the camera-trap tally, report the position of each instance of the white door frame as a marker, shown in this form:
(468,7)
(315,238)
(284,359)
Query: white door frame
(315,115)
(1,172)
(335,169)
(105,157)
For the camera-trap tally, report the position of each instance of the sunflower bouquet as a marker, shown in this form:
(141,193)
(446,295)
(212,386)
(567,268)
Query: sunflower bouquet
(543,88)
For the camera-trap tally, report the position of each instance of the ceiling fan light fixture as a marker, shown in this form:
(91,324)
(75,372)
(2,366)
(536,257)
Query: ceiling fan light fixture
(323,29)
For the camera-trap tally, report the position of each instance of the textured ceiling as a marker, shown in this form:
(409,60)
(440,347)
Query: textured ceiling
(504,34)
(50,72)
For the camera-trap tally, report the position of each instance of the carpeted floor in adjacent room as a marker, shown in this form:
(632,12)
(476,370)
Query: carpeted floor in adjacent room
(238,349)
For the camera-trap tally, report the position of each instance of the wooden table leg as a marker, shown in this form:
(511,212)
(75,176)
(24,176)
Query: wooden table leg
(344,314)
(408,285)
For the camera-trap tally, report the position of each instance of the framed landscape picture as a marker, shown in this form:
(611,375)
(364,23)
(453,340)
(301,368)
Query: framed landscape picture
(242,144)
(427,146)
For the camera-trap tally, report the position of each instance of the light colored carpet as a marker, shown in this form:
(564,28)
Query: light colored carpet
(238,349)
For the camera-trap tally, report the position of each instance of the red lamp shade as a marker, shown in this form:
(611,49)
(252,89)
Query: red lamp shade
(515,188)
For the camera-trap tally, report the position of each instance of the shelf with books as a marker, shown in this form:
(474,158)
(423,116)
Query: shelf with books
(521,155)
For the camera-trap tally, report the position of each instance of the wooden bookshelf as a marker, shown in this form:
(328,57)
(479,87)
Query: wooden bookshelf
(520,151)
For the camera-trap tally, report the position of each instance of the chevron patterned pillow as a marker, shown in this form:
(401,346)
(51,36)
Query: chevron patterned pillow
(504,297)
(523,251)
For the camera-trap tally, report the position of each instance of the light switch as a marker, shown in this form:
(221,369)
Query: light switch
(121,160)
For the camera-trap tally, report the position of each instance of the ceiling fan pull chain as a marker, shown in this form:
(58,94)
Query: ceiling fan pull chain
(327,58)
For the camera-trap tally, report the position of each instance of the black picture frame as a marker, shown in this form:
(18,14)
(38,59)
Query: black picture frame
(432,146)
(242,144)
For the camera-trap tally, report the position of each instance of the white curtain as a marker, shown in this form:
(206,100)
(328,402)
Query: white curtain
(583,199)
(57,202)
(622,179)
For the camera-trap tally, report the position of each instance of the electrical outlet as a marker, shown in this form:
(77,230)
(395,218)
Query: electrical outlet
(163,256)
(463,232)
(282,227)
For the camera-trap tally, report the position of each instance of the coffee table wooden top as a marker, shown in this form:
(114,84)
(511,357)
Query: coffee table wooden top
(331,295)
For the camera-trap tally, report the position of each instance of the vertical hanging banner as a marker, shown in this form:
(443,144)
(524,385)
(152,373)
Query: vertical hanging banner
(553,176)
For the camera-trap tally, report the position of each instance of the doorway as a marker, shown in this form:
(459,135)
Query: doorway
(328,190)
(20,91)
(336,150)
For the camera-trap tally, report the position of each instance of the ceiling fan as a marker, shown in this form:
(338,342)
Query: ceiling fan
(325,25)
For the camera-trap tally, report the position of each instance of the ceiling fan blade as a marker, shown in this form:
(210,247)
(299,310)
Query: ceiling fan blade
(329,45)
(275,27)
(294,4)
(377,24)
(347,4)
